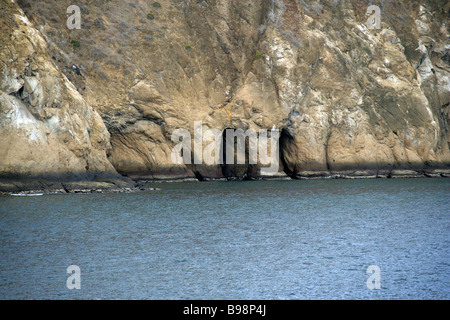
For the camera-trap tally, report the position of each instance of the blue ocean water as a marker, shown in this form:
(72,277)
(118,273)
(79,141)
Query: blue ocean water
(303,239)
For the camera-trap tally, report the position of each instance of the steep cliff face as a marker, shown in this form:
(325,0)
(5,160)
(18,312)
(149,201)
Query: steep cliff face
(348,100)
(47,130)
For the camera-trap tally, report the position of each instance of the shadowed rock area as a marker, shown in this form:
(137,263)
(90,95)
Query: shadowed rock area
(101,103)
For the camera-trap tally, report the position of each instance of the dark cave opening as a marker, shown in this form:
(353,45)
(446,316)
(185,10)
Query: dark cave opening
(287,145)
(231,170)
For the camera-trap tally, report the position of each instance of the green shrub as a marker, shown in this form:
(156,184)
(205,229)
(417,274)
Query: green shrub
(188,47)
(150,16)
(258,55)
(157,5)
(75,43)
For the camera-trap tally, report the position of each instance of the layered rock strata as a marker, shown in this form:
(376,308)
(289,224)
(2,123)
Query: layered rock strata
(349,101)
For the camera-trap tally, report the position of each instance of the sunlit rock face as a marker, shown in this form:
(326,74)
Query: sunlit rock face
(47,130)
(348,100)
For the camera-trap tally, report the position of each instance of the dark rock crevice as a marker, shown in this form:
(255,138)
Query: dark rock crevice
(286,144)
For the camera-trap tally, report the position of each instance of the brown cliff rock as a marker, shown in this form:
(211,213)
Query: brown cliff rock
(47,130)
(350,101)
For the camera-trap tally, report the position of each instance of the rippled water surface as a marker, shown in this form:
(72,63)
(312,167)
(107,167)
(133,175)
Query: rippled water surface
(232,240)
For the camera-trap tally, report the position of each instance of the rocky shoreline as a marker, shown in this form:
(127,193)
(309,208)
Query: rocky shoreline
(42,186)
(348,101)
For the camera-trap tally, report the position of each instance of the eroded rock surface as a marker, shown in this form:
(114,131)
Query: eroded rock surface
(47,130)
(348,100)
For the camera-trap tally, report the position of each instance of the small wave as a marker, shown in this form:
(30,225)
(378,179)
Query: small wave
(27,194)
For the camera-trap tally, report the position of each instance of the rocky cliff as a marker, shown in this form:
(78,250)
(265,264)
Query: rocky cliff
(48,133)
(348,100)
